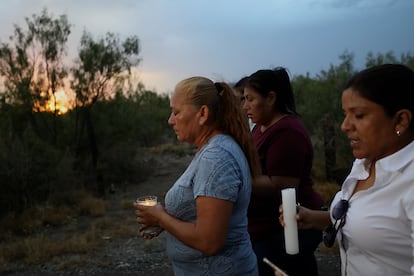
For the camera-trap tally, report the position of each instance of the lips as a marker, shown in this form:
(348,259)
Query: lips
(354,142)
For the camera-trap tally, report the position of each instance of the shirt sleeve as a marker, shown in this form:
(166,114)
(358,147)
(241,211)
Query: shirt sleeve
(218,176)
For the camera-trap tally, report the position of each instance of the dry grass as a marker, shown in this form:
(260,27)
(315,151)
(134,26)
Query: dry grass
(32,219)
(75,261)
(27,237)
(41,248)
(92,206)
(128,229)
(88,204)
(29,240)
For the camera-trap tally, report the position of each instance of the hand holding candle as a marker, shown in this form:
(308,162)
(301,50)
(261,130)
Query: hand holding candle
(150,231)
(291,225)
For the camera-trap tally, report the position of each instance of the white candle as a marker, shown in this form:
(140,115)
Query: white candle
(147,200)
(291,225)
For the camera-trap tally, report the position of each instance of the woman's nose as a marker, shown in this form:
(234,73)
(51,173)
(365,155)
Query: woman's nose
(171,119)
(345,126)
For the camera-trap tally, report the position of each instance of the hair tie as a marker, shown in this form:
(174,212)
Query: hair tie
(219,88)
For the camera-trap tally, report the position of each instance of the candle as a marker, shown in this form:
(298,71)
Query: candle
(149,201)
(291,225)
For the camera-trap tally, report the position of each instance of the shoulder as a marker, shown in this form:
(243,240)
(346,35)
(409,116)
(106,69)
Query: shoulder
(291,122)
(290,127)
(221,148)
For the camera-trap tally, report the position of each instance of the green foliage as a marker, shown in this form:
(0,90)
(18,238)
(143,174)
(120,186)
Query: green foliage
(101,66)
(103,139)
(141,117)
(321,95)
(99,62)
(33,170)
(389,57)
(27,169)
(124,127)
(318,100)
(43,155)
(319,103)
(33,69)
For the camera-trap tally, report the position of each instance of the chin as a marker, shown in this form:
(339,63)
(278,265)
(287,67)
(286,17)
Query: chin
(359,155)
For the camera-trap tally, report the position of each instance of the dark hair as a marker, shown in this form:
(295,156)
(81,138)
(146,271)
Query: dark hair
(389,85)
(241,83)
(278,81)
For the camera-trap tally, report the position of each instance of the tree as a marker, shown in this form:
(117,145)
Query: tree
(99,63)
(32,65)
(319,102)
(372,60)
(389,57)
(408,59)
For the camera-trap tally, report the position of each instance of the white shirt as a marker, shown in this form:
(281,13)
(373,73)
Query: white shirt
(378,235)
(251,124)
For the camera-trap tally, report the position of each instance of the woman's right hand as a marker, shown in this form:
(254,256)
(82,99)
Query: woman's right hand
(308,218)
(148,219)
(303,217)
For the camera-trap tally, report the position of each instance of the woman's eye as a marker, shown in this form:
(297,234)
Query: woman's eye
(359,116)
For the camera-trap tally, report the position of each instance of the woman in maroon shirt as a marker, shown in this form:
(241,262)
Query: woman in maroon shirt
(286,155)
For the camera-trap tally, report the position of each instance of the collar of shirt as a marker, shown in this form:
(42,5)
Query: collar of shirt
(392,163)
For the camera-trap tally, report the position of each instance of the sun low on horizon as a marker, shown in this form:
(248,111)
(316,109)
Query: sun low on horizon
(62,105)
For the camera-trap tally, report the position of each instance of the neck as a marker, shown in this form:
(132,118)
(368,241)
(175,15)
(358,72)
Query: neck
(204,138)
(276,118)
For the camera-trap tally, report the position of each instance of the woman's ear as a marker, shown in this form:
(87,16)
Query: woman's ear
(204,111)
(271,97)
(403,120)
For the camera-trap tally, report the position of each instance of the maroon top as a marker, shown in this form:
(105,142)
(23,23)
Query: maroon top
(285,149)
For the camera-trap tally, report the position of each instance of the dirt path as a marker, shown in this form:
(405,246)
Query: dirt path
(133,255)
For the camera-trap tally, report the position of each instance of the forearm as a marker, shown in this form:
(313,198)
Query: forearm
(208,234)
(182,230)
(319,219)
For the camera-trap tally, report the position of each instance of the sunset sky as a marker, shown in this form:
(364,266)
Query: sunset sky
(228,39)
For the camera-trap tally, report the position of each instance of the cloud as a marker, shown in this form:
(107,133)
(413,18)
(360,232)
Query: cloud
(226,40)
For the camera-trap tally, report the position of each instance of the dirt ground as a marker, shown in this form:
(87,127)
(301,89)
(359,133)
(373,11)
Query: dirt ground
(134,255)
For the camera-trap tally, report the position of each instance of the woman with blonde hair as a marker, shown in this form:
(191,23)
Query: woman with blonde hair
(205,213)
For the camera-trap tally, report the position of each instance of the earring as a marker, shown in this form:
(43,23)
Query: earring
(398,133)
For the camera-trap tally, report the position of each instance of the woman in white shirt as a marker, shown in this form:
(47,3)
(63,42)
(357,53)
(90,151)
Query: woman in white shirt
(372,216)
